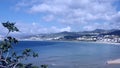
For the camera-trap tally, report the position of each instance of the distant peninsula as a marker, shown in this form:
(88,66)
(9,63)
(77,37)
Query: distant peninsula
(97,35)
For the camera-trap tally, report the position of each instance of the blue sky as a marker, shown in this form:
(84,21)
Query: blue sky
(47,16)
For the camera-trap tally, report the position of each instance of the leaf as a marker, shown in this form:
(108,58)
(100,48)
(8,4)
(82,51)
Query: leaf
(10,26)
(14,54)
(19,57)
(1,46)
(12,39)
(9,59)
(35,54)
(28,50)
(15,40)
(44,66)
(20,65)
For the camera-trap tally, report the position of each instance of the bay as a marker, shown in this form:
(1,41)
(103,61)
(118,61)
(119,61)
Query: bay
(62,54)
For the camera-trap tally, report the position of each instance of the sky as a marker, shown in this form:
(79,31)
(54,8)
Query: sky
(50,16)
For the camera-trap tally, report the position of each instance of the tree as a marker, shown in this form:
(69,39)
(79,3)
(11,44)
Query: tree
(8,57)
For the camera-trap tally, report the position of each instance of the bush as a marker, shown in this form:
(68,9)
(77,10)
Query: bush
(8,57)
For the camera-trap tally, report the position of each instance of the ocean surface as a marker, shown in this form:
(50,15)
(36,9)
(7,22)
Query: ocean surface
(71,54)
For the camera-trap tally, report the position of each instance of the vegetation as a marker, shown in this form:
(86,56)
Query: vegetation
(8,57)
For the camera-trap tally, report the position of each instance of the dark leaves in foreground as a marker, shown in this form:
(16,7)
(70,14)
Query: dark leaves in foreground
(35,54)
(12,40)
(10,26)
(44,66)
(8,57)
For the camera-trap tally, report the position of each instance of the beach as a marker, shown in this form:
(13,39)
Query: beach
(116,61)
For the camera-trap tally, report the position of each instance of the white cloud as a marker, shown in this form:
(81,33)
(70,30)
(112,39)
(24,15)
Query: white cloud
(32,29)
(3,30)
(89,28)
(55,29)
(48,18)
(36,28)
(66,29)
(98,26)
(115,18)
(80,9)
(79,12)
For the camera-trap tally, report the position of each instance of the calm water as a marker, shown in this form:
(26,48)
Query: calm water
(72,54)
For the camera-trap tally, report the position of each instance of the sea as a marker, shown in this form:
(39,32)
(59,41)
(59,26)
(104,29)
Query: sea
(71,54)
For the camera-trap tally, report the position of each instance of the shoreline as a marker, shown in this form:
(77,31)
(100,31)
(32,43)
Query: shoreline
(107,43)
(76,41)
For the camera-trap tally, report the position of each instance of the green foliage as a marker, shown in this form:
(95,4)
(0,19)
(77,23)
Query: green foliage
(44,66)
(8,57)
(10,26)
(20,65)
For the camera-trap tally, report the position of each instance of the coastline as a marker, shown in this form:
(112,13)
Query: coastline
(76,41)
(106,43)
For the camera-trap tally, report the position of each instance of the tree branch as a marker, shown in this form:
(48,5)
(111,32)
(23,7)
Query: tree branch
(1,66)
(15,65)
(1,54)
(3,60)
(7,55)
(7,34)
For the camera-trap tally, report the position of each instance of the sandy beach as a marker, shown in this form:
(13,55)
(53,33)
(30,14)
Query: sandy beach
(116,61)
(108,43)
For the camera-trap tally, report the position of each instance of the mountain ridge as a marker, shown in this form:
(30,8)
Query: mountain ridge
(73,35)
